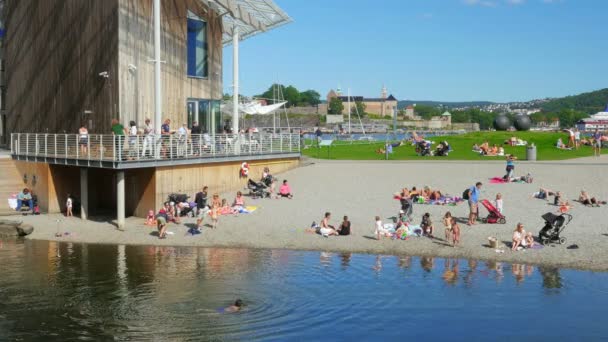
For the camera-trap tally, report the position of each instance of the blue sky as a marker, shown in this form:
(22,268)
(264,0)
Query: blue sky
(445,50)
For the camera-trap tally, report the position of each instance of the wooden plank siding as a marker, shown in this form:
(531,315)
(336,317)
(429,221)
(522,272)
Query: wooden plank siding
(136,47)
(55,50)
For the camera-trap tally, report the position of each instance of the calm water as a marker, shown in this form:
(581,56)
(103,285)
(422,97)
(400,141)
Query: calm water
(91,292)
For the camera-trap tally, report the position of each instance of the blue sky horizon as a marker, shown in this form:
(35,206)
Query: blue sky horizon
(441,50)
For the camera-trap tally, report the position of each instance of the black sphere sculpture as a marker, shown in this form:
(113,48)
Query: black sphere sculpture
(502,123)
(522,123)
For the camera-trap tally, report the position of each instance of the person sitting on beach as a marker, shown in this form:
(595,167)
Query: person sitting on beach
(513,141)
(529,240)
(427,225)
(162,219)
(25,197)
(236,307)
(150,219)
(560,144)
(325,229)
(402,220)
(239,201)
(587,200)
(380,230)
(492,151)
(414,194)
(436,195)
(226,209)
(476,148)
(426,193)
(285,190)
(344,228)
(519,235)
(501,151)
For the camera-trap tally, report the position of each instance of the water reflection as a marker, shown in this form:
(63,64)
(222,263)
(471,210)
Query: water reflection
(80,291)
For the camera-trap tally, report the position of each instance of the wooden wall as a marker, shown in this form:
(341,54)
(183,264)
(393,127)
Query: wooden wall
(220,177)
(54,51)
(136,47)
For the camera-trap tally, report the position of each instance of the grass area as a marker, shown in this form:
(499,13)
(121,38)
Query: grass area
(461,146)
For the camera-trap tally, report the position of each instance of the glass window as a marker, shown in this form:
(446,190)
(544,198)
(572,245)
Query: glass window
(197,46)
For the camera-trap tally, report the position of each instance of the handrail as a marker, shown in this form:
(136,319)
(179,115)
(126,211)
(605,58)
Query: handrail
(112,148)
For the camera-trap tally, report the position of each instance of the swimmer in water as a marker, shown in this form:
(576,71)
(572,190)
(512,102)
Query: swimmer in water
(237,306)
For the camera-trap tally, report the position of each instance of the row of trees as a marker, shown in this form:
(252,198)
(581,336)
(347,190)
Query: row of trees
(279,92)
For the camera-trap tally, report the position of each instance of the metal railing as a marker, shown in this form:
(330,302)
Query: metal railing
(113,148)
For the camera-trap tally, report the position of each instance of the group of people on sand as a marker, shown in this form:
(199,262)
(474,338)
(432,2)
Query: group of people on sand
(425,193)
(558,199)
(324,228)
(213,208)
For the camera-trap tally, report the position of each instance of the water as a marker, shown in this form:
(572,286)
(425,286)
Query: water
(92,292)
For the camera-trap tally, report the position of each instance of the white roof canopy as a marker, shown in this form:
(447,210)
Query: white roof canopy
(250,16)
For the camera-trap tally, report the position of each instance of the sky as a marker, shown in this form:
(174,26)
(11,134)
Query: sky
(442,50)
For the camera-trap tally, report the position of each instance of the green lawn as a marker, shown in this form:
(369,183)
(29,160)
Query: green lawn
(461,146)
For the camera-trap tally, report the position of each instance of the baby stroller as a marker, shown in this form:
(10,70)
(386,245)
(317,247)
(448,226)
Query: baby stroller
(257,189)
(554,225)
(442,149)
(494,216)
(423,148)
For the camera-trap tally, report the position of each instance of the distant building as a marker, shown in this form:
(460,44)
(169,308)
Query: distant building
(384,105)
(410,113)
(596,121)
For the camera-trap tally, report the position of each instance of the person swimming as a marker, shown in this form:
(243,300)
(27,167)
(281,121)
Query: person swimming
(236,307)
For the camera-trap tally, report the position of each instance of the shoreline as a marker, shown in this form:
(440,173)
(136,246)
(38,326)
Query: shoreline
(362,190)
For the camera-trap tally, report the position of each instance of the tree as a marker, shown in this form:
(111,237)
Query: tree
(335,106)
(358,108)
(291,95)
(426,112)
(310,98)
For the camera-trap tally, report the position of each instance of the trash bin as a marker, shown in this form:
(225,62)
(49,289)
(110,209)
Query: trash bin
(531,152)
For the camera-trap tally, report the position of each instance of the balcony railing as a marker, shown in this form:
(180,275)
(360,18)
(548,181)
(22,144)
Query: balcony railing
(125,149)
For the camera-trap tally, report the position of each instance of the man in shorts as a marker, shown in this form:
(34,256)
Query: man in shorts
(161,223)
(474,193)
(597,143)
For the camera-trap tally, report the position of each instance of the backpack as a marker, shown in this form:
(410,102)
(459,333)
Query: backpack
(465,194)
(36,210)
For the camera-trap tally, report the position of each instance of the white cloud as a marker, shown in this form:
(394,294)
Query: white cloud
(484,3)
(515,2)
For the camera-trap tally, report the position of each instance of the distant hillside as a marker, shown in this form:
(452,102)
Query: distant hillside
(405,103)
(590,103)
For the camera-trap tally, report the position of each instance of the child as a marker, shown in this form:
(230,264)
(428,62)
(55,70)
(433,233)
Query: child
(68,205)
(285,190)
(498,202)
(455,233)
(380,230)
(529,240)
(237,306)
(150,220)
(239,202)
(215,210)
(447,222)
(427,225)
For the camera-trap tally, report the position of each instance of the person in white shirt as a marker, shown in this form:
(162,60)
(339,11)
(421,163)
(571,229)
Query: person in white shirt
(380,230)
(149,138)
(577,138)
(498,202)
(68,205)
(182,136)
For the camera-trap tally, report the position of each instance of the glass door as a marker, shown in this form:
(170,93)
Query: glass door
(192,108)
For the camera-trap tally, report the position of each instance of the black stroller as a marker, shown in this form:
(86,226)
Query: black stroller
(180,198)
(554,225)
(258,189)
(423,148)
(442,149)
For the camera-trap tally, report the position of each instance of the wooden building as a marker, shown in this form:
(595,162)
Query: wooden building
(85,62)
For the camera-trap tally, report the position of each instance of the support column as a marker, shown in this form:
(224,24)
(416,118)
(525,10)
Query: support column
(120,199)
(158,101)
(84,193)
(235,80)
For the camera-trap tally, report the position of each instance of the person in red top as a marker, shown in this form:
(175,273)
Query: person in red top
(285,190)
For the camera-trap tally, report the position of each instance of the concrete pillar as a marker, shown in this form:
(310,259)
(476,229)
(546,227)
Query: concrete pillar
(84,193)
(120,199)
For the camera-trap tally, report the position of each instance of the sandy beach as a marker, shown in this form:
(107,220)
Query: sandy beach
(363,190)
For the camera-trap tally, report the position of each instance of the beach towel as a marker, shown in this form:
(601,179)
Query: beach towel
(446,200)
(497,180)
(248,209)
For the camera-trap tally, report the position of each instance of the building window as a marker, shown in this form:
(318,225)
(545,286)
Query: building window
(197,46)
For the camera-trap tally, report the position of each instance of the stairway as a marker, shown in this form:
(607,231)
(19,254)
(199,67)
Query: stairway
(10,183)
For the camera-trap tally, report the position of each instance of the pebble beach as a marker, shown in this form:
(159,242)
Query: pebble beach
(364,189)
